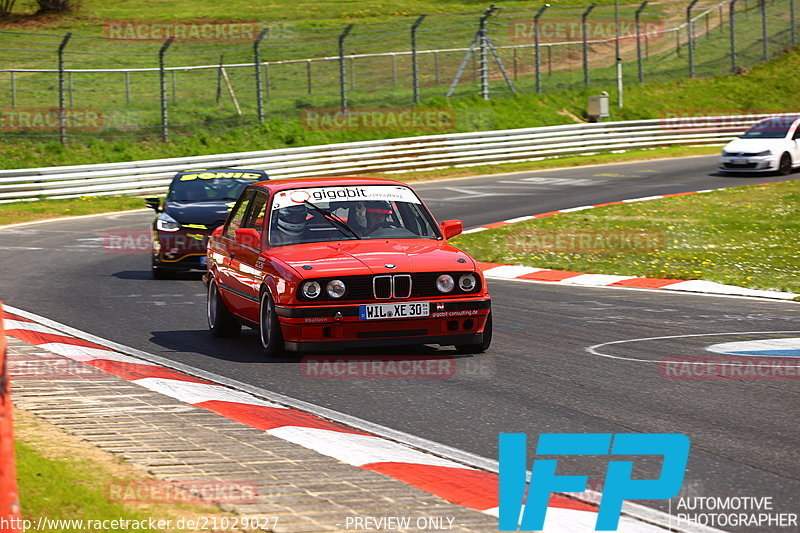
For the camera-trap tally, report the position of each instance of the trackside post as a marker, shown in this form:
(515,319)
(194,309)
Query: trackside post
(9,498)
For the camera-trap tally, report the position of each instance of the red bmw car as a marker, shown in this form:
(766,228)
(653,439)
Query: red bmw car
(327,264)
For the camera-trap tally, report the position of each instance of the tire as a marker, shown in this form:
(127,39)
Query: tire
(269,330)
(481,346)
(785,165)
(221,322)
(160,273)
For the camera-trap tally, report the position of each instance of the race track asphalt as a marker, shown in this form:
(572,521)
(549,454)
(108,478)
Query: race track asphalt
(538,376)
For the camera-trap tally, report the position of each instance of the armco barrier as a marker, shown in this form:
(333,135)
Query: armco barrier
(385,155)
(9,499)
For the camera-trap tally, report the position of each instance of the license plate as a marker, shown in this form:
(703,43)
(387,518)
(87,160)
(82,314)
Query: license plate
(394,310)
(740,161)
(203,260)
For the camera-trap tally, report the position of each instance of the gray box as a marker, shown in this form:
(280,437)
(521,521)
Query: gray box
(598,107)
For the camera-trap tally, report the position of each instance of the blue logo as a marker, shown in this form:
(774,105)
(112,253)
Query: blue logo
(528,514)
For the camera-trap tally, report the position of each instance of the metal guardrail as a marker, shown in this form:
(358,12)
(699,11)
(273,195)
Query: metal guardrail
(386,155)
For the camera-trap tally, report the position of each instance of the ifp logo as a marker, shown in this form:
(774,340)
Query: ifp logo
(528,514)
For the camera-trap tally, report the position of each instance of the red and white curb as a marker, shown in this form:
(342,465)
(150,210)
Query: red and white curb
(453,481)
(515,272)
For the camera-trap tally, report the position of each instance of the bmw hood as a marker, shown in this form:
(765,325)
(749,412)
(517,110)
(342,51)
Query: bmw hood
(210,214)
(373,257)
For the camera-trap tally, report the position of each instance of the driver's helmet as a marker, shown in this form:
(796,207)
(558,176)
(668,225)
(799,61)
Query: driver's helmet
(292,220)
(377,211)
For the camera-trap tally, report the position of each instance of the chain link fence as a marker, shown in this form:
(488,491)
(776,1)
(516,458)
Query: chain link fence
(135,80)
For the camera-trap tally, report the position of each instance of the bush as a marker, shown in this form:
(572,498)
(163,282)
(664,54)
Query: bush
(6,6)
(55,6)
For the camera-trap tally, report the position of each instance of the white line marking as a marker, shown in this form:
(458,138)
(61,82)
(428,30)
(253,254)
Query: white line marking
(357,450)
(594,280)
(193,393)
(510,271)
(595,349)
(84,353)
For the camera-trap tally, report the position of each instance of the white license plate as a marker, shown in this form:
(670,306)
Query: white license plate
(740,161)
(394,310)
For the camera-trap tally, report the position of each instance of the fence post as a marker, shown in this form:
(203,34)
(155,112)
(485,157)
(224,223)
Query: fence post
(127,88)
(308,75)
(69,89)
(163,76)
(414,61)
(257,63)
(690,37)
(9,499)
(536,45)
(436,80)
(764,29)
(484,45)
(219,79)
(585,44)
(62,118)
(732,15)
(639,40)
(13,90)
(343,68)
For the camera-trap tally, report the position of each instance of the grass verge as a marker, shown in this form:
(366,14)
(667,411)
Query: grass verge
(17,212)
(746,236)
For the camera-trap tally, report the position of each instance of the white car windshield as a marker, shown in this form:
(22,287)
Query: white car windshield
(773,128)
(350,212)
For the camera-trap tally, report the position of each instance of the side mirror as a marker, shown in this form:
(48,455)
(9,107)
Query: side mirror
(153,203)
(248,237)
(451,228)
(217,231)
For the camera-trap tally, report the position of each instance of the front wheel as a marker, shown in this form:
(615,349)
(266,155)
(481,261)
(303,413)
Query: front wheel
(481,346)
(221,322)
(785,165)
(269,330)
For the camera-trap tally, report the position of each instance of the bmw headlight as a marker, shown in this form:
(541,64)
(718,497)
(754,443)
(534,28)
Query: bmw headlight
(445,283)
(164,222)
(335,288)
(467,282)
(765,152)
(311,289)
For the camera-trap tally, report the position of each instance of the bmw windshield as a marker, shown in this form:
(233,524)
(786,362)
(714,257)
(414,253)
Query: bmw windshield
(348,213)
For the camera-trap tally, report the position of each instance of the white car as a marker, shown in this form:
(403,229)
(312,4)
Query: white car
(772,145)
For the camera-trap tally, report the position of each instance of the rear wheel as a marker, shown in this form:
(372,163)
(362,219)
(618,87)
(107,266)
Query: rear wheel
(221,322)
(785,165)
(269,330)
(481,346)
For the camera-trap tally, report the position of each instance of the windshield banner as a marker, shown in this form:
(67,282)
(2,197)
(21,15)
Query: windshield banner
(351,193)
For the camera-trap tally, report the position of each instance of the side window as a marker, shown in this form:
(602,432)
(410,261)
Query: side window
(797,133)
(237,215)
(255,217)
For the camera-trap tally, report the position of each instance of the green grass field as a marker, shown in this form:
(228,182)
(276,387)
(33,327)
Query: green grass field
(746,236)
(200,124)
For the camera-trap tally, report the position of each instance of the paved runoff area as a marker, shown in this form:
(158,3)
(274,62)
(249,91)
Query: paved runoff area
(295,489)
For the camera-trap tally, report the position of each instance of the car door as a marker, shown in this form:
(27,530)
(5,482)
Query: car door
(795,144)
(245,279)
(227,269)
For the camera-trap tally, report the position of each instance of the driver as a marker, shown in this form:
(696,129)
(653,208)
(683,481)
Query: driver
(289,226)
(373,215)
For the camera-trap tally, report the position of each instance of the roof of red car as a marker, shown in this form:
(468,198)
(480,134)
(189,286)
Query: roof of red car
(294,183)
